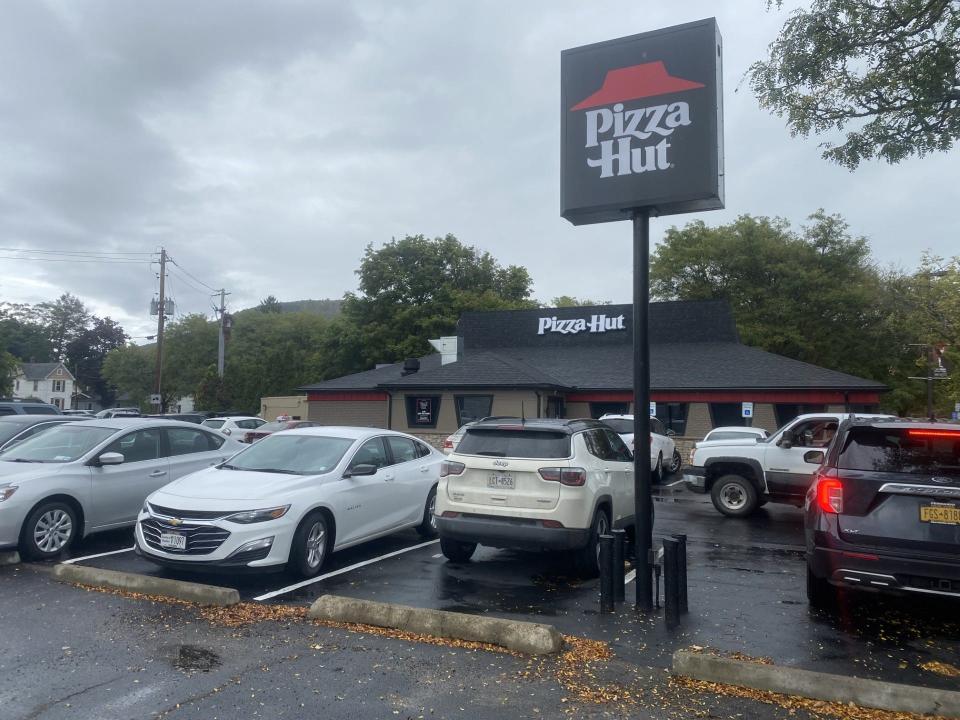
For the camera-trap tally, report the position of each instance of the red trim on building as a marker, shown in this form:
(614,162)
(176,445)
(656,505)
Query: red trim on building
(346,396)
(812,397)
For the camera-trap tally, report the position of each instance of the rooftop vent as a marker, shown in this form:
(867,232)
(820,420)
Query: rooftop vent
(410,366)
(450,348)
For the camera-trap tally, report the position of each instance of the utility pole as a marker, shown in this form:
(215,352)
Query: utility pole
(220,347)
(161,310)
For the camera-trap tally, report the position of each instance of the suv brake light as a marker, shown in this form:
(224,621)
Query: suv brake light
(574,477)
(449,467)
(448,443)
(830,494)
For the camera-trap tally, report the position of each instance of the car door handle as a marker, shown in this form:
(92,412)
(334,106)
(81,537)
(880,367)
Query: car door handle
(158,473)
(424,468)
(388,478)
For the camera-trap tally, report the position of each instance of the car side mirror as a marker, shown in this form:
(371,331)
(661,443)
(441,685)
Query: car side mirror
(671,433)
(110,458)
(813,456)
(786,440)
(361,471)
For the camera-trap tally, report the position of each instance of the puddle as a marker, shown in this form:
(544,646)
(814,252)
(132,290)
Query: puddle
(193,657)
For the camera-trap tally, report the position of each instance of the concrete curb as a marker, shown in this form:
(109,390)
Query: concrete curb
(9,558)
(817,685)
(191,592)
(526,637)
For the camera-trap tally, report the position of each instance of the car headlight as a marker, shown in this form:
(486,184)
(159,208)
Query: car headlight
(6,491)
(254,516)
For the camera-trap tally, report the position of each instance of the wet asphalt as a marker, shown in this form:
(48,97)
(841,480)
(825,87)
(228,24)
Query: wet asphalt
(746,590)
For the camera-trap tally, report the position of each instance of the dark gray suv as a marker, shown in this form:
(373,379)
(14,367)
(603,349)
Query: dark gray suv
(883,513)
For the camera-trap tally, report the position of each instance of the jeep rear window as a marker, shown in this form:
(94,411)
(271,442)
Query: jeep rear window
(914,451)
(515,443)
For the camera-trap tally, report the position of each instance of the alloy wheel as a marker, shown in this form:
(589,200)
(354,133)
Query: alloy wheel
(315,544)
(431,510)
(53,531)
(602,529)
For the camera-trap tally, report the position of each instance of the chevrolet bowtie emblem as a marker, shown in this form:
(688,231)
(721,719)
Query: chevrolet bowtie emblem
(176,522)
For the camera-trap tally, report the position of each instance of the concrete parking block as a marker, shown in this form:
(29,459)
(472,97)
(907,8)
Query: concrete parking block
(816,685)
(134,582)
(9,558)
(526,637)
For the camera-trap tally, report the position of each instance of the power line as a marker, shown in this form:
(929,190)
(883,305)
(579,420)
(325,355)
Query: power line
(105,261)
(98,253)
(193,277)
(191,285)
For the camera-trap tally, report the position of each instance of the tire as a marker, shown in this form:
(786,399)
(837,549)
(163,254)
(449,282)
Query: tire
(456,551)
(587,560)
(428,528)
(311,541)
(820,593)
(734,495)
(656,473)
(48,531)
(676,462)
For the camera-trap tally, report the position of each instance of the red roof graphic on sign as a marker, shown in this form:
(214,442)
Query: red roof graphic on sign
(636,81)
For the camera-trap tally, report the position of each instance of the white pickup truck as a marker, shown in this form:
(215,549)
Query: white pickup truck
(742,475)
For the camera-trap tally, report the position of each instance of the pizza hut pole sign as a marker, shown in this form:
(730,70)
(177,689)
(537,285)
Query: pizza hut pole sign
(642,127)
(641,135)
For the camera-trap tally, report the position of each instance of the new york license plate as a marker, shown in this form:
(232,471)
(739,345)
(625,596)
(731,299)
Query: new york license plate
(173,541)
(500,482)
(941,514)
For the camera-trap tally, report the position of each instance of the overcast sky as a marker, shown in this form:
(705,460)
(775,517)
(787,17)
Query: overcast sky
(264,144)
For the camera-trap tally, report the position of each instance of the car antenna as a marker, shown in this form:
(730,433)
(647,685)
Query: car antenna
(523,415)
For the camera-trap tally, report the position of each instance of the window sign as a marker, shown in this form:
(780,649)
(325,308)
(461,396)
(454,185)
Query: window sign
(422,410)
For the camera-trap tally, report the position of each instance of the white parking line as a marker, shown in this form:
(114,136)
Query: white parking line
(675,482)
(629,577)
(341,571)
(71,561)
(438,555)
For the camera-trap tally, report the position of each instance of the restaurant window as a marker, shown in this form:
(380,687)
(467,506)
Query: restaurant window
(471,408)
(599,409)
(727,414)
(555,408)
(786,412)
(422,411)
(673,415)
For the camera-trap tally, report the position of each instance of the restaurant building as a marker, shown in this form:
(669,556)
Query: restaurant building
(578,362)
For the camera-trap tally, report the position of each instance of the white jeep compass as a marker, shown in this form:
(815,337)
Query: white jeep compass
(535,485)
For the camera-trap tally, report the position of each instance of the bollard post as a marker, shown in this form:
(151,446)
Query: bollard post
(671,585)
(656,585)
(619,539)
(682,571)
(606,573)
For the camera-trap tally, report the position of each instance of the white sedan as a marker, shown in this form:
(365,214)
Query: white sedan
(292,499)
(664,455)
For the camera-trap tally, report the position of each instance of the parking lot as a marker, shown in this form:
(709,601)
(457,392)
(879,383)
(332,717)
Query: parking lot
(746,589)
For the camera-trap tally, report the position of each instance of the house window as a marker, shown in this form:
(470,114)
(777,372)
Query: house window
(58,385)
(555,408)
(673,415)
(472,407)
(58,402)
(36,385)
(422,410)
(17,386)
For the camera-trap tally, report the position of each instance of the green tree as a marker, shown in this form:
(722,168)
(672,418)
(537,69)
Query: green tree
(812,295)
(571,301)
(129,370)
(8,371)
(270,304)
(86,352)
(888,69)
(414,289)
(21,336)
(190,346)
(211,393)
(64,319)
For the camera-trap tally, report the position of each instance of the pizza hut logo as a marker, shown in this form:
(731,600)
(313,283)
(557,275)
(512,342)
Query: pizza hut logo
(636,140)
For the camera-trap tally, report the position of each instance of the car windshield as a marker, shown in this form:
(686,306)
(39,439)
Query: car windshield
(271,427)
(59,444)
(213,423)
(12,427)
(619,425)
(515,443)
(731,435)
(915,451)
(292,454)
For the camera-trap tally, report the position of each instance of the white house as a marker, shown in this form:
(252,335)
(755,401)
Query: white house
(50,382)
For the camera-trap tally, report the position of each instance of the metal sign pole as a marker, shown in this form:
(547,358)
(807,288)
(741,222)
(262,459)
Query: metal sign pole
(643,503)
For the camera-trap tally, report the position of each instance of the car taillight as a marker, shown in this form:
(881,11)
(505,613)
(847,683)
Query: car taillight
(448,443)
(448,467)
(574,477)
(830,494)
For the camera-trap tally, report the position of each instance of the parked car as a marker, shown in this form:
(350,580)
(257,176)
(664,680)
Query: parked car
(118,412)
(16,428)
(535,485)
(79,413)
(195,418)
(82,477)
(27,407)
(234,425)
(663,451)
(451,441)
(271,427)
(734,432)
(742,475)
(884,511)
(291,500)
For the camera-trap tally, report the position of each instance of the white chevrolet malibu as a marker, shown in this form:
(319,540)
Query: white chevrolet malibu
(291,499)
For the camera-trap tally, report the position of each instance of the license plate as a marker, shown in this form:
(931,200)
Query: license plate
(942,514)
(500,482)
(173,541)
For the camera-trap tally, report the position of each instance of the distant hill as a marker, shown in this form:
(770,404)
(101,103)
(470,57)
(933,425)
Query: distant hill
(327,308)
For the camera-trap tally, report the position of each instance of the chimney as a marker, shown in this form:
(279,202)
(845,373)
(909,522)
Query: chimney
(450,348)
(410,366)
